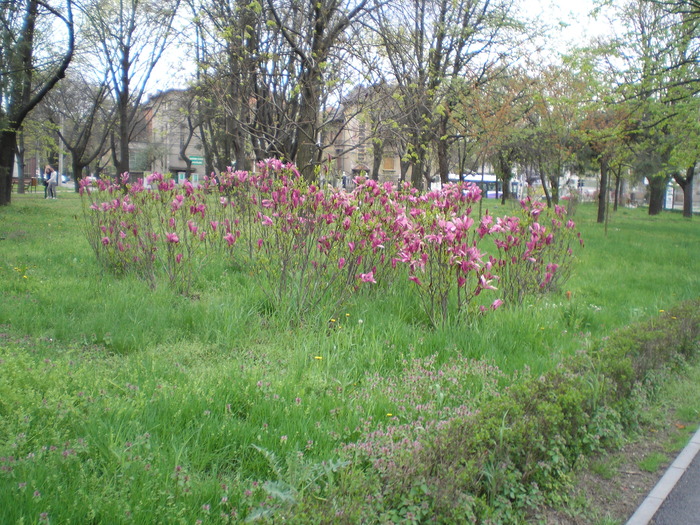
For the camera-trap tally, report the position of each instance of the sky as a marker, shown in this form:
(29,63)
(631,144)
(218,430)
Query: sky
(570,16)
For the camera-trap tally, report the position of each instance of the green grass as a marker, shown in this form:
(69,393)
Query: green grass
(119,403)
(605,468)
(652,462)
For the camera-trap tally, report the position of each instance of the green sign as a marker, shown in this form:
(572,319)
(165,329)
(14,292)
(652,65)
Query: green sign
(197,161)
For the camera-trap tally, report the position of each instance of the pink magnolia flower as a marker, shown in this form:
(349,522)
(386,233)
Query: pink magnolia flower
(172,237)
(177,202)
(485,284)
(415,280)
(105,240)
(496,304)
(341,263)
(368,277)
(178,258)
(230,239)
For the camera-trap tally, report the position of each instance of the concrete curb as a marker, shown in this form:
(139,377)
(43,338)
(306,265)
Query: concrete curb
(656,497)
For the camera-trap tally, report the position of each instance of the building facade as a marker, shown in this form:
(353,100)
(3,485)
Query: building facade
(169,140)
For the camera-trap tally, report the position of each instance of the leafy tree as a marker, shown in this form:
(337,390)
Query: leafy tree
(660,76)
(25,37)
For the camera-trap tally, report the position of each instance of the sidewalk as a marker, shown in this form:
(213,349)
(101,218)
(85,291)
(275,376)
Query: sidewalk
(675,500)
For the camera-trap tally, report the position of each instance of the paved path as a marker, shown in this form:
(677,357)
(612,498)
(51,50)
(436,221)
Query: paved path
(675,500)
(682,506)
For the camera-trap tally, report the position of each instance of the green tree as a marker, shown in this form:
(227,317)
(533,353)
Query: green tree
(25,37)
(660,78)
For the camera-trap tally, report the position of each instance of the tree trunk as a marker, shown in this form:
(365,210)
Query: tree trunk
(657,191)
(405,165)
(307,150)
(78,169)
(123,160)
(20,165)
(121,156)
(554,185)
(543,180)
(504,171)
(8,146)
(602,194)
(443,154)
(688,200)
(618,185)
(417,173)
(686,184)
(377,155)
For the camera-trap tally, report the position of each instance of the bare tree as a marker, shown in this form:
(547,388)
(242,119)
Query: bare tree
(431,46)
(24,80)
(129,38)
(274,68)
(84,116)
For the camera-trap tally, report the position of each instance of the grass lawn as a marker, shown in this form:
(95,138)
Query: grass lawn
(120,403)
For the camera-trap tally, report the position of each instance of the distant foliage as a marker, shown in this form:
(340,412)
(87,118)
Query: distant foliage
(314,247)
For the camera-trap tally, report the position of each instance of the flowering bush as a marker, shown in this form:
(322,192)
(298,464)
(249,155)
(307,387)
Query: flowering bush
(150,226)
(314,247)
(439,245)
(532,256)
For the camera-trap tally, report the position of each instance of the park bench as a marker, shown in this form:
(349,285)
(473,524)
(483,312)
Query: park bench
(30,183)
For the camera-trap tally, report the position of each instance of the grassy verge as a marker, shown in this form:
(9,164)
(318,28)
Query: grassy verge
(124,404)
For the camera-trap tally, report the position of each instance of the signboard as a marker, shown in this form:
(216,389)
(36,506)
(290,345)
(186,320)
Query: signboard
(196,160)
(668,203)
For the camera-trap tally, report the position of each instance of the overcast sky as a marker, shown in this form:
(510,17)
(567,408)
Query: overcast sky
(571,16)
(574,14)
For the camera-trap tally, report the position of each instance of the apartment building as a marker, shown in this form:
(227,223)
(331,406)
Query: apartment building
(169,140)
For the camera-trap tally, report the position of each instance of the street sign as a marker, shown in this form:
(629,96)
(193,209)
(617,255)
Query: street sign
(196,160)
